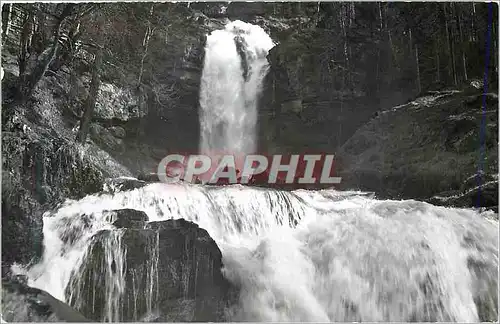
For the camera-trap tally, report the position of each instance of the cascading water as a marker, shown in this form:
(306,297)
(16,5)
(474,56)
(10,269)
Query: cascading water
(297,256)
(234,68)
(349,258)
(114,270)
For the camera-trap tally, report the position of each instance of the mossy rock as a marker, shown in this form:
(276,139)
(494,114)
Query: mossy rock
(84,181)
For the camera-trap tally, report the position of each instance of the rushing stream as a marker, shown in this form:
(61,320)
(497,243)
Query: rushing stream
(388,260)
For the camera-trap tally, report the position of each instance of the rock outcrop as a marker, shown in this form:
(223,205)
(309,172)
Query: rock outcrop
(114,102)
(163,271)
(428,149)
(21,303)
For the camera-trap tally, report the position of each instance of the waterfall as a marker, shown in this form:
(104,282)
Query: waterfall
(234,68)
(309,255)
(114,272)
(313,256)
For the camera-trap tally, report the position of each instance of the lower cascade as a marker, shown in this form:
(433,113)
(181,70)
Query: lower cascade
(147,255)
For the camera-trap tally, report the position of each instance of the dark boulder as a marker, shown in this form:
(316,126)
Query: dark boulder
(128,218)
(168,271)
(114,185)
(118,131)
(149,177)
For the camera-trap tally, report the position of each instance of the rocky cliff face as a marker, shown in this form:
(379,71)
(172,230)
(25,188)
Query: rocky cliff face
(42,167)
(441,147)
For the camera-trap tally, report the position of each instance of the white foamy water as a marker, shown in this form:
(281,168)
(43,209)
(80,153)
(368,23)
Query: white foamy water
(229,94)
(349,258)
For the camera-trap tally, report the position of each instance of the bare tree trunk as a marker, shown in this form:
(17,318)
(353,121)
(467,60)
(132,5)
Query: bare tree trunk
(95,82)
(447,40)
(464,54)
(29,82)
(40,37)
(452,69)
(91,100)
(339,134)
(464,60)
(419,88)
(411,42)
(6,20)
(462,43)
(494,40)
(345,17)
(389,36)
(377,76)
(438,67)
(380,17)
(145,44)
(24,44)
(453,61)
(352,14)
(474,32)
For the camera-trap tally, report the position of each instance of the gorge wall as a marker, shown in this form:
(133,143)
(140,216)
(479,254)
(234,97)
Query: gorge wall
(334,66)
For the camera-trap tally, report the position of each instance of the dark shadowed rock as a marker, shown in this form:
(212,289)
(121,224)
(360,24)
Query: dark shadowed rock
(106,138)
(174,224)
(170,271)
(114,185)
(149,177)
(128,218)
(21,303)
(484,195)
(428,149)
(117,131)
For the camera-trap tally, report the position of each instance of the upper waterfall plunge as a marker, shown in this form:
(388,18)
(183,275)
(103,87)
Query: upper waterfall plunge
(234,68)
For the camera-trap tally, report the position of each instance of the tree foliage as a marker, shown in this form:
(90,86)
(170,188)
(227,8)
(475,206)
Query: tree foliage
(395,45)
